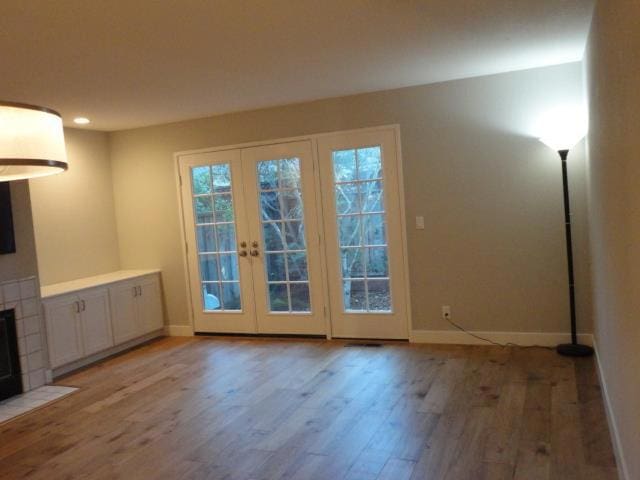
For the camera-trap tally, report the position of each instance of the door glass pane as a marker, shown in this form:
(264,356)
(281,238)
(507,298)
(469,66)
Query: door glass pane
(283,234)
(347,198)
(276,267)
(215,233)
(300,297)
(371,196)
(297,266)
(362,235)
(378,294)
(354,295)
(352,260)
(278,297)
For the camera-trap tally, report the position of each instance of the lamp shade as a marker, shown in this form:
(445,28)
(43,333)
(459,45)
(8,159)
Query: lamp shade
(562,140)
(31,142)
(563,127)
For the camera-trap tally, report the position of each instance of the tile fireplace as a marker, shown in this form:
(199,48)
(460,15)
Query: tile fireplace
(10,374)
(22,297)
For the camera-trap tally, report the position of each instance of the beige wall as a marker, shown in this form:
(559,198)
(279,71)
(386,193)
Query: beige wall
(23,263)
(74,216)
(613,67)
(493,243)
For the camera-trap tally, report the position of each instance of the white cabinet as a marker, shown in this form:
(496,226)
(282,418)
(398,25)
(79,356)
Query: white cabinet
(136,307)
(95,320)
(78,325)
(63,330)
(150,304)
(123,311)
(88,316)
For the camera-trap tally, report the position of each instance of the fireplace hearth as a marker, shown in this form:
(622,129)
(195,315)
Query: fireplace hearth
(10,374)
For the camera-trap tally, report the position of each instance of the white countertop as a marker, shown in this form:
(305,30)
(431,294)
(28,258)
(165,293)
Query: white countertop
(54,289)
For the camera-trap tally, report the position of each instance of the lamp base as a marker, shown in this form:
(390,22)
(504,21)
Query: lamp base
(574,350)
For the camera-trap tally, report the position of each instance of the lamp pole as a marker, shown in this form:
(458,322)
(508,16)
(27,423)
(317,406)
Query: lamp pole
(573,349)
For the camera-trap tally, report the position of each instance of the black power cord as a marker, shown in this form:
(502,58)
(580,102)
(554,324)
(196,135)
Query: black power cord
(504,345)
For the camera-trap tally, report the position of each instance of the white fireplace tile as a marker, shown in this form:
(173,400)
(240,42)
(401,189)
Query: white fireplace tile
(11,291)
(22,345)
(33,343)
(27,402)
(29,307)
(28,288)
(35,360)
(14,411)
(24,367)
(36,378)
(22,296)
(20,328)
(25,382)
(15,305)
(31,325)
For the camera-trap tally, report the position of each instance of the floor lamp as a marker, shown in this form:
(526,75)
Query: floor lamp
(562,146)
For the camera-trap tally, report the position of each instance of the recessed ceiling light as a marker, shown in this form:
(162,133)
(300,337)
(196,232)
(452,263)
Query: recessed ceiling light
(81,120)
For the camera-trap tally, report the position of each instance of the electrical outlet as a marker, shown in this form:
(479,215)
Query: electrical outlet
(446,312)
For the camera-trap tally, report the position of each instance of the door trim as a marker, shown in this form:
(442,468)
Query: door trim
(321,214)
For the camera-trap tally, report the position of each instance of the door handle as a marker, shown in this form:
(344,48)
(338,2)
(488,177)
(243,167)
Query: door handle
(242,253)
(243,244)
(254,244)
(254,253)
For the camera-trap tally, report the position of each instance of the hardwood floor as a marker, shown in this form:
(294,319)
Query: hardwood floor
(224,408)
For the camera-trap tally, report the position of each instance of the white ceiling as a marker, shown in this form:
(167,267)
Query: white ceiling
(129,63)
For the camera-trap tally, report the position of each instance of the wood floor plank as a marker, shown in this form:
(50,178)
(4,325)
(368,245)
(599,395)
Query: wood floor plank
(267,409)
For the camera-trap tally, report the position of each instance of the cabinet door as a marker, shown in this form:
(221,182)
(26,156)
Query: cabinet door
(95,320)
(150,304)
(123,312)
(63,330)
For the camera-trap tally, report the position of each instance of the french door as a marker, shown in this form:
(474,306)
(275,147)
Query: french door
(363,230)
(252,239)
(253,227)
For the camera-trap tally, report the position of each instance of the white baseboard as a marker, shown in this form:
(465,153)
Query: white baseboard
(519,338)
(623,471)
(179,331)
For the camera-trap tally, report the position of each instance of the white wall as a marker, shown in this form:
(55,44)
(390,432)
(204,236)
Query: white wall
(613,67)
(74,215)
(493,247)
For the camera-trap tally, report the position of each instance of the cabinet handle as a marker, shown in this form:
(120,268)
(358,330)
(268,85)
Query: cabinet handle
(139,291)
(135,291)
(77,304)
(84,306)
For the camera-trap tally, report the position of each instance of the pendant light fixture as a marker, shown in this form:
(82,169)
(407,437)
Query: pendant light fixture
(31,142)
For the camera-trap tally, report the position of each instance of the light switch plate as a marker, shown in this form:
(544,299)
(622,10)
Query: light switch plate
(420,223)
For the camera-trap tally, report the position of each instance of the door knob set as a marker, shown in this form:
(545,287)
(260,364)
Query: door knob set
(253,252)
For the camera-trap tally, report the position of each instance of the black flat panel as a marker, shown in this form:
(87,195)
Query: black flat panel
(7,238)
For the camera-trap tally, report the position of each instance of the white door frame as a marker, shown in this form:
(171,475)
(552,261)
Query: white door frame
(314,140)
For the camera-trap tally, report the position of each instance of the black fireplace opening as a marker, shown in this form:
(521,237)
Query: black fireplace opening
(10,378)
